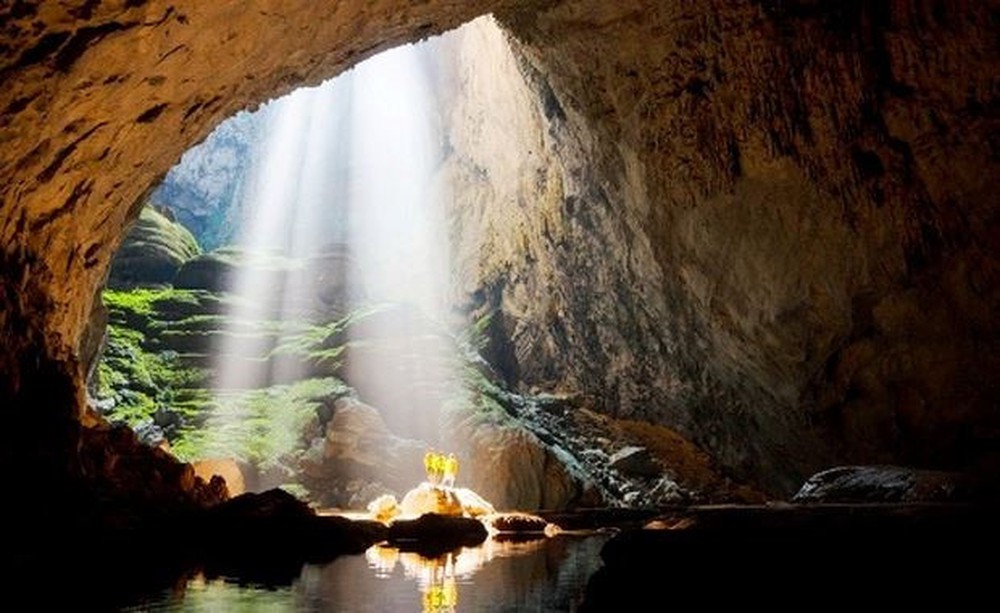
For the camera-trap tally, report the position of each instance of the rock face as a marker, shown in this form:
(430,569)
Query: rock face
(769,225)
(204,191)
(152,252)
(510,467)
(884,484)
(751,222)
(319,283)
(357,451)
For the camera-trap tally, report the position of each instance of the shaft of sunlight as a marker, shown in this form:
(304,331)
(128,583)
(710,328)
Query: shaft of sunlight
(348,165)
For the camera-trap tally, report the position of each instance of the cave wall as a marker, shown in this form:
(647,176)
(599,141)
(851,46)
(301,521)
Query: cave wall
(782,218)
(768,224)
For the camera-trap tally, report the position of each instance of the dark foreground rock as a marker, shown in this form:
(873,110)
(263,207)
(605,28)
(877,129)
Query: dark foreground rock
(99,564)
(266,537)
(885,484)
(431,534)
(829,555)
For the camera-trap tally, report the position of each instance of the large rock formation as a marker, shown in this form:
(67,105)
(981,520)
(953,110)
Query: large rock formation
(754,222)
(152,251)
(767,224)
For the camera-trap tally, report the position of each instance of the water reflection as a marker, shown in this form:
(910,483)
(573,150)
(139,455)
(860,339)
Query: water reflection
(437,577)
(500,575)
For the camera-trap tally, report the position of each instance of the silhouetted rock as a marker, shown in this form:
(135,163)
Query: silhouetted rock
(275,525)
(431,534)
(884,484)
(759,556)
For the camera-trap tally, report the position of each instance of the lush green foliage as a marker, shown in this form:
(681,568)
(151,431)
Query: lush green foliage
(139,382)
(261,426)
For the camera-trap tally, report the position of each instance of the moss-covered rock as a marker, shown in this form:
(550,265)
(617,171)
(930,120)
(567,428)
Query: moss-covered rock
(152,251)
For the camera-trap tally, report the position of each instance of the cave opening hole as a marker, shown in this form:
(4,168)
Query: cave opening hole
(283,313)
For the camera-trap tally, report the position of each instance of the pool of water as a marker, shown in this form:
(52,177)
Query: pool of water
(499,575)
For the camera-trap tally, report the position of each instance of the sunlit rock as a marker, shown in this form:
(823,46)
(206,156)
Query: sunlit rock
(227,468)
(472,503)
(516,522)
(509,465)
(429,498)
(385,508)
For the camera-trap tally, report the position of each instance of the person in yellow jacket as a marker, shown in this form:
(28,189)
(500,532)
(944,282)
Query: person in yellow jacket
(430,465)
(438,464)
(450,470)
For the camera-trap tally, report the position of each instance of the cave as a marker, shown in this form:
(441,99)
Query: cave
(760,230)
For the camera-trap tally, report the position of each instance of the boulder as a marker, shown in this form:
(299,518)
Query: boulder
(515,522)
(385,508)
(357,446)
(859,484)
(432,534)
(226,468)
(635,462)
(510,466)
(472,503)
(152,252)
(274,528)
(428,498)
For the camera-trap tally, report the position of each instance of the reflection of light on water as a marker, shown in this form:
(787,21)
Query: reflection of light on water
(437,577)
(441,597)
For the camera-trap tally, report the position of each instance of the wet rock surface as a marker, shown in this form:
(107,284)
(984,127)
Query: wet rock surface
(859,484)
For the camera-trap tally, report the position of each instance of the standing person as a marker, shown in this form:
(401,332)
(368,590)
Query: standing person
(430,464)
(438,469)
(450,470)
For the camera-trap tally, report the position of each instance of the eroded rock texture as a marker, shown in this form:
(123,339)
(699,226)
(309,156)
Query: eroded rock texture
(768,224)
(771,225)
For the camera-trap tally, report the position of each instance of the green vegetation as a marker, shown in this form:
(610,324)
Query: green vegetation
(155,374)
(260,427)
(154,371)
(138,382)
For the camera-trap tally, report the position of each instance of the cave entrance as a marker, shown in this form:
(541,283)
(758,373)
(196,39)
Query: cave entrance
(328,288)
(281,313)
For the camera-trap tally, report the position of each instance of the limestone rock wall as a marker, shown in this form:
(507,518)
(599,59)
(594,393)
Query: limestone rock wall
(771,226)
